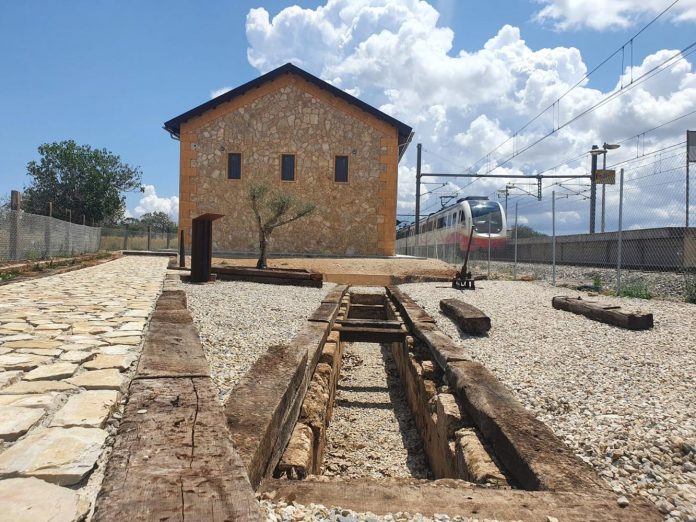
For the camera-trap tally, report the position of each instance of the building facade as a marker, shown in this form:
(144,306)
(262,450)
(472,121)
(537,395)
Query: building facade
(296,133)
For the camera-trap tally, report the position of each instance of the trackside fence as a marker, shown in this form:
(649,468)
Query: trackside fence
(25,236)
(641,245)
(124,238)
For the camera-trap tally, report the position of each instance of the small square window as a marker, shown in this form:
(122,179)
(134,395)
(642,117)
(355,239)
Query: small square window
(341,171)
(234,165)
(287,167)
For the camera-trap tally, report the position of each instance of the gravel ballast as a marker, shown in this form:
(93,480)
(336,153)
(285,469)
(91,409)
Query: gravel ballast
(238,321)
(283,511)
(623,400)
(372,432)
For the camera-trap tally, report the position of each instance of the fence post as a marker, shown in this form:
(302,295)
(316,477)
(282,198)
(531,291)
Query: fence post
(514,266)
(618,245)
(47,231)
(167,238)
(15,224)
(489,246)
(182,249)
(553,239)
(148,238)
(70,247)
(125,239)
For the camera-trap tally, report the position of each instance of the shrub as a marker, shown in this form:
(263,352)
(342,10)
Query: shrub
(635,288)
(690,288)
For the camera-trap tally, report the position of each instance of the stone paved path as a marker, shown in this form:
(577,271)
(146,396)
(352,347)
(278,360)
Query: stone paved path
(67,347)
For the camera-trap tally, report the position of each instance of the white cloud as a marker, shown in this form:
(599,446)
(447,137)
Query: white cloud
(151,202)
(462,104)
(218,92)
(602,14)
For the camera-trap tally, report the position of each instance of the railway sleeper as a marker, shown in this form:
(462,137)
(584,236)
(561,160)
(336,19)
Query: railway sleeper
(477,438)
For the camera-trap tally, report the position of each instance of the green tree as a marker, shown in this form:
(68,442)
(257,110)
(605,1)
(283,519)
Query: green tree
(526,231)
(158,220)
(87,181)
(274,209)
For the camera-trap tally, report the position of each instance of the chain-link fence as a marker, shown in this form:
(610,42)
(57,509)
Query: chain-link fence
(138,239)
(25,236)
(641,246)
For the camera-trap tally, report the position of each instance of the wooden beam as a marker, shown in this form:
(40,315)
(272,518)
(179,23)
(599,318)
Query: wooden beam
(353,334)
(173,458)
(458,498)
(359,311)
(467,317)
(368,323)
(604,314)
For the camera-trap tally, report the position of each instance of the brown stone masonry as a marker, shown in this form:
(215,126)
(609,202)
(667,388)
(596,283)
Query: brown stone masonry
(289,115)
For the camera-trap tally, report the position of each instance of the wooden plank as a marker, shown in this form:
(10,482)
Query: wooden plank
(257,407)
(335,295)
(609,315)
(263,408)
(171,300)
(466,316)
(267,272)
(271,280)
(358,311)
(325,312)
(458,498)
(410,311)
(353,334)
(173,459)
(441,345)
(367,299)
(369,323)
(172,347)
(526,447)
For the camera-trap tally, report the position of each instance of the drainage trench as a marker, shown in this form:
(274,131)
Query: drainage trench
(378,406)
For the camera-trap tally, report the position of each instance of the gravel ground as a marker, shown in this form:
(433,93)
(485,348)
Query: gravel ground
(238,321)
(277,511)
(372,433)
(623,400)
(664,285)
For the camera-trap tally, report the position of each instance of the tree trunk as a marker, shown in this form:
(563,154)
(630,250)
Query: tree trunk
(263,246)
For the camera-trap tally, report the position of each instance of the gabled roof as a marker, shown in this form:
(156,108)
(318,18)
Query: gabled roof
(173,126)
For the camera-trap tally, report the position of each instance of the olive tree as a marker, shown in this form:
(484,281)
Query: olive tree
(273,209)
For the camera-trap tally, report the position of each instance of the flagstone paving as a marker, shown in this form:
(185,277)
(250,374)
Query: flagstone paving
(68,347)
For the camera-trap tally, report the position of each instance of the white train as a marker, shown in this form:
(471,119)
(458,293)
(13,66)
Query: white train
(445,234)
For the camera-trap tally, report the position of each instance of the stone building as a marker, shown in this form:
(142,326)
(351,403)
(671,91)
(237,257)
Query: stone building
(297,133)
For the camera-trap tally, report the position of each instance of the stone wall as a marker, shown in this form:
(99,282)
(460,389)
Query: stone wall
(289,115)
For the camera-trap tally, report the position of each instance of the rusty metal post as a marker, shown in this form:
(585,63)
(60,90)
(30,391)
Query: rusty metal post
(202,247)
(125,239)
(167,232)
(149,235)
(182,250)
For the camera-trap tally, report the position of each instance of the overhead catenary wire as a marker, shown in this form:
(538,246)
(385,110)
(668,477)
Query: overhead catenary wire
(584,154)
(556,103)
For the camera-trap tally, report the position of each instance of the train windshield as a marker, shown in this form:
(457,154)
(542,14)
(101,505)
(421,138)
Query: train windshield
(483,212)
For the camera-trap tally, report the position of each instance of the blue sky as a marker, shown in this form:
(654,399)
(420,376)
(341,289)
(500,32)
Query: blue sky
(108,74)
